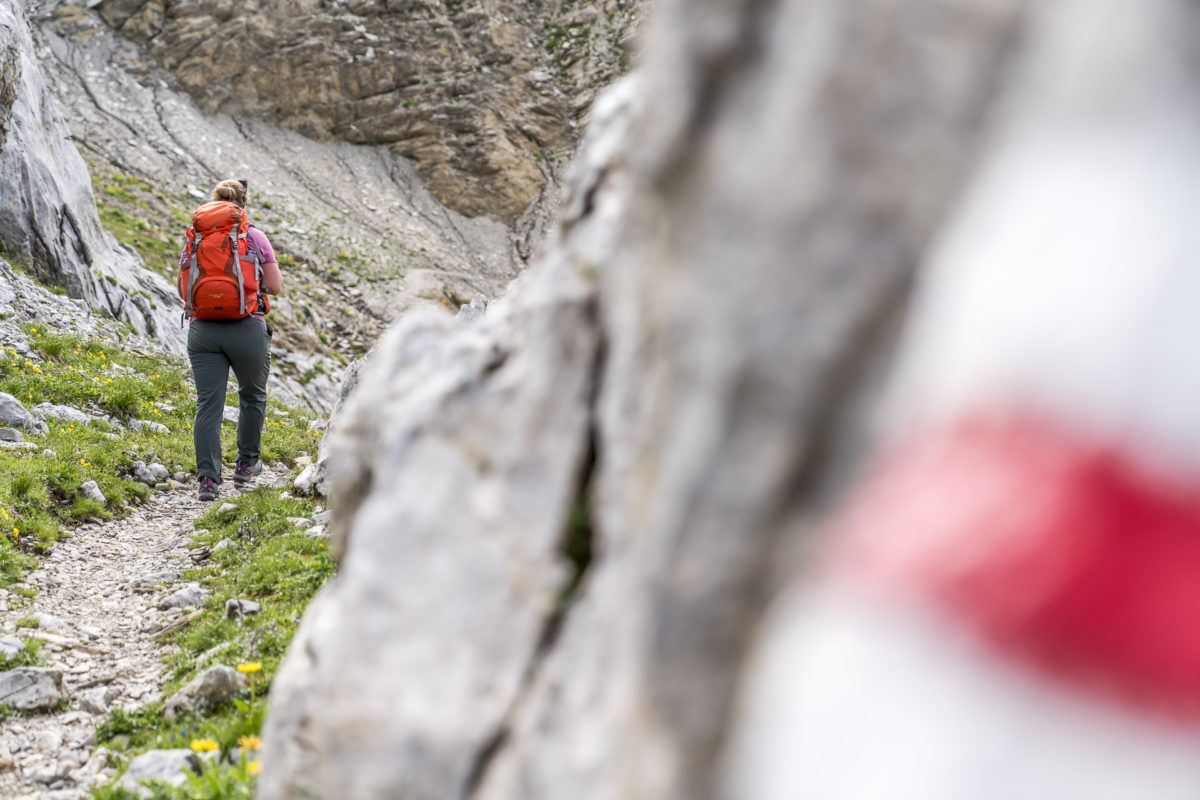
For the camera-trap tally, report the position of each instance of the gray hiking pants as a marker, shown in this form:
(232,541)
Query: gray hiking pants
(213,347)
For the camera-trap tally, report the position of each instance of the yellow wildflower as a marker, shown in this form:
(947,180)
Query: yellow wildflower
(249,666)
(204,745)
(254,767)
(250,743)
(16,532)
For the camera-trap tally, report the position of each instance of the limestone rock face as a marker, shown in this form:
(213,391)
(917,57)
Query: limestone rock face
(48,221)
(560,522)
(501,602)
(483,96)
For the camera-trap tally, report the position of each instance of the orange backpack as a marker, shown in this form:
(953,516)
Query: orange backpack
(220,270)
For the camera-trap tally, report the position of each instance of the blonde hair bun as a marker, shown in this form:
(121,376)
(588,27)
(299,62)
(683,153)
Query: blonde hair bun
(232,191)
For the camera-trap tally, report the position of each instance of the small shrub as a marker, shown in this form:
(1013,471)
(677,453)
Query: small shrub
(29,657)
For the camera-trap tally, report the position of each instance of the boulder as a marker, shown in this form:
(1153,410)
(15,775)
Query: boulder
(14,413)
(95,701)
(91,490)
(236,609)
(32,688)
(11,646)
(190,596)
(61,413)
(473,310)
(208,689)
(171,766)
(139,425)
(11,435)
(305,481)
(150,474)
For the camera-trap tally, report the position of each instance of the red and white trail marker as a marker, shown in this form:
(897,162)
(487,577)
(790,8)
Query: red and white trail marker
(1010,604)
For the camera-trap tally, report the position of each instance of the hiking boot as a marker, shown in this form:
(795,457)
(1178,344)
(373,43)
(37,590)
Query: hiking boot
(208,489)
(243,472)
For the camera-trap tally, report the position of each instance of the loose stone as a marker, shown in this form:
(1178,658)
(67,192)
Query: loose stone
(91,489)
(236,609)
(305,480)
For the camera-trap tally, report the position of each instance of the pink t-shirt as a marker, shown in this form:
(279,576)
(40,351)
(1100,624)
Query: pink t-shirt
(264,245)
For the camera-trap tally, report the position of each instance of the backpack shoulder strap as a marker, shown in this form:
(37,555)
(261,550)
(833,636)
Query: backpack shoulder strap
(255,254)
(189,262)
(252,244)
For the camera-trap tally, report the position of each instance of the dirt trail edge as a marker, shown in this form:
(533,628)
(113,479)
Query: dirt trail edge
(97,611)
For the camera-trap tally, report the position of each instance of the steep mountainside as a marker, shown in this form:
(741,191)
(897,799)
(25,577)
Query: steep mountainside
(483,96)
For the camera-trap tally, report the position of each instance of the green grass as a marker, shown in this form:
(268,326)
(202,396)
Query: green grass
(40,496)
(31,656)
(146,220)
(216,781)
(272,563)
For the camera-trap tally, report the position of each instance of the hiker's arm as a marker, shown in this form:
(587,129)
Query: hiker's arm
(272,279)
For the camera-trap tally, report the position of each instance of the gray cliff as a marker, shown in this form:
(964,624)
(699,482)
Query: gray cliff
(559,524)
(48,220)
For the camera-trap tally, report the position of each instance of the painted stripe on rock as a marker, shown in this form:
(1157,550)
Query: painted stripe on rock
(1056,549)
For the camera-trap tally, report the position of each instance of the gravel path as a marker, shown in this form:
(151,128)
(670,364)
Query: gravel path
(97,608)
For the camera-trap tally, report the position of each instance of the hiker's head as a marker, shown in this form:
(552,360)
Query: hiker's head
(233,191)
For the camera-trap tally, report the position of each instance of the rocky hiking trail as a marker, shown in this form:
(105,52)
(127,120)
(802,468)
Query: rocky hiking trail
(104,600)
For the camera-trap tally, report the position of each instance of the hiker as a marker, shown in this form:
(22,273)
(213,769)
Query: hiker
(226,271)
